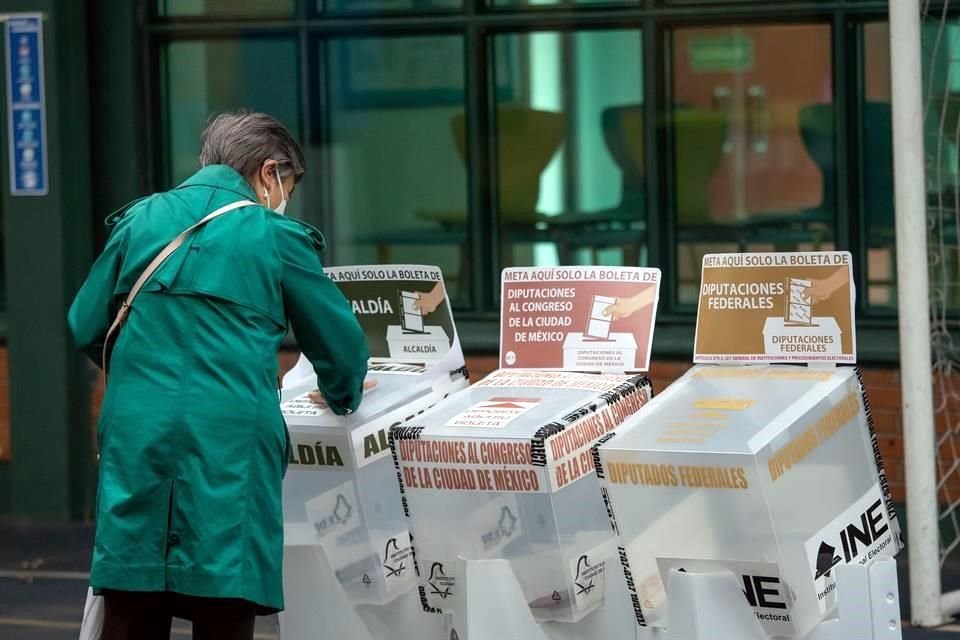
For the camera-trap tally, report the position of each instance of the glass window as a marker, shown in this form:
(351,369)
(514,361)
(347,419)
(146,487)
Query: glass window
(876,159)
(204,77)
(753,139)
(569,148)
(3,264)
(386,6)
(763,3)
(226,8)
(554,3)
(398,153)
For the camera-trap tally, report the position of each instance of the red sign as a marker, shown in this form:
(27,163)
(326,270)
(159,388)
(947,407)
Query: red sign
(578,318)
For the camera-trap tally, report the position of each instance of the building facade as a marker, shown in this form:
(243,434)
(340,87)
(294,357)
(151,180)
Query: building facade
(472,134)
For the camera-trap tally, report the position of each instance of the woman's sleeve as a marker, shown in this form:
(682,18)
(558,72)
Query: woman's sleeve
(93,309)
(323,323)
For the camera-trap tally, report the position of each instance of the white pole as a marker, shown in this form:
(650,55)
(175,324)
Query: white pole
(914,306)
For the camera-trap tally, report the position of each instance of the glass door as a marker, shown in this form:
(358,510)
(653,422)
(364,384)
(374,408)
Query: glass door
(751,120)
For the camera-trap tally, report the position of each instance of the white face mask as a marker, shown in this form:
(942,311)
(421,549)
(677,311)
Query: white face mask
(280,208)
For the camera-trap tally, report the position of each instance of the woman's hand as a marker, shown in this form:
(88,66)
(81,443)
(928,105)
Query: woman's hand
(319,400)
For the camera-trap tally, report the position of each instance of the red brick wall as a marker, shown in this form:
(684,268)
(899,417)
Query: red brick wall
(883,390)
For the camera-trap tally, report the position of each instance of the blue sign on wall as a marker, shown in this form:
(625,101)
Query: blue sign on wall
(26,107)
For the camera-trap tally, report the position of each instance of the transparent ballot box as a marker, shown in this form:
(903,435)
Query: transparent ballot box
(770,472)
(341,492)
(504,469)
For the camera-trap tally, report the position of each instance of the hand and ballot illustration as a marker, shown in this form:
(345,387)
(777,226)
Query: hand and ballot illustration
(413,339)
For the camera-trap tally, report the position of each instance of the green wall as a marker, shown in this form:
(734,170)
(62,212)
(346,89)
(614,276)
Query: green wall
(93,162)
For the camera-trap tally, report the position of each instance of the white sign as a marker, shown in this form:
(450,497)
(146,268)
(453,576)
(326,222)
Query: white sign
(494,413)
(860,534)
(588,574)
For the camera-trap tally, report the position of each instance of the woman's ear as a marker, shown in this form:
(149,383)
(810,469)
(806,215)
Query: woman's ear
(268,175)
(258,185)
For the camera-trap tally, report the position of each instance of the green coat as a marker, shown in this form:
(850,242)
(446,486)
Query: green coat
(193,447)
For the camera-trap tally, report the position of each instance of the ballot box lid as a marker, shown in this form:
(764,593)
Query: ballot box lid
(523,404)
(728,409)
(388,387)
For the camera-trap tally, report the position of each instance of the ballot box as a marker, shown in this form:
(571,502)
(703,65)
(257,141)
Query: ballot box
(769,471)
(341,493)
(504,469)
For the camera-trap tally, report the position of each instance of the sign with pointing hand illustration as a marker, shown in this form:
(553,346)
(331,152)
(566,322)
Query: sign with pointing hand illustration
(776,307)
(404,312)
(578,318)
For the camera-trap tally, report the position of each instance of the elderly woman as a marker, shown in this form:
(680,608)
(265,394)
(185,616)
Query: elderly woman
(193,447)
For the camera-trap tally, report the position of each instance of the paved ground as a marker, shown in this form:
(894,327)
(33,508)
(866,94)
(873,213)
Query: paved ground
(50,608)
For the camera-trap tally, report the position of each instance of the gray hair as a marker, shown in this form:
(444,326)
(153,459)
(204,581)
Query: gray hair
(245,140)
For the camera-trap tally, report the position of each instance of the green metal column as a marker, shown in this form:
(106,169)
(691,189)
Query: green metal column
(47,241)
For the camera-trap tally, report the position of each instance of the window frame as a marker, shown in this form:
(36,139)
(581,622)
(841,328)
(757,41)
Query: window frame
(479,24)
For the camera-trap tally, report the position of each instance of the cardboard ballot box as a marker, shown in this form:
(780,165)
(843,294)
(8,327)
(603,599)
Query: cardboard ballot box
(504,469)
(341,493)
(771,472)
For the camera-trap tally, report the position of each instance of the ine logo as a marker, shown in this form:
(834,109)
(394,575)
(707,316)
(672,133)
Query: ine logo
(860,539)
(439,581)
(393,550)
(857,535)
(765,592)
(762,590)
(826,561)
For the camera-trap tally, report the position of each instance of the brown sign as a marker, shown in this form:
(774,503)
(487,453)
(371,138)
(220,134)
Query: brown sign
(776,307)
(578,318)
(404,312)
